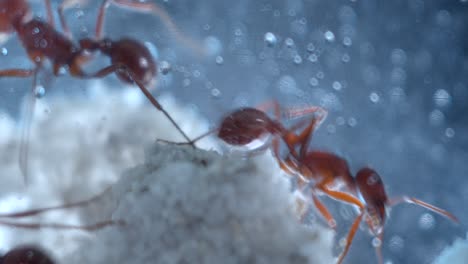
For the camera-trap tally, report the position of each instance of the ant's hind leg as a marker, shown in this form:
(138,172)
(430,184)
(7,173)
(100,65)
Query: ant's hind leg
(156,11)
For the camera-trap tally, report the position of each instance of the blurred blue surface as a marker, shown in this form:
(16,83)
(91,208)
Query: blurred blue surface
(393,74)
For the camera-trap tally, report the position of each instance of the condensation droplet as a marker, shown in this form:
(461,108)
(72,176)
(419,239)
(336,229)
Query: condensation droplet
(436,118)
(289,42)
(215,92)
(426,221)
(347,41)
(39,91)
(313,81)
(297,59)
(337,85)
(449,132)
(329,36)
(352,122)
(165,67)
(270,39)
(396,243)
(219,60)
(374,97)
(442,98)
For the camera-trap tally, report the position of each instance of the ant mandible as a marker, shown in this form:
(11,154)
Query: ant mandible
(131,60)
(329,171)
(26,254)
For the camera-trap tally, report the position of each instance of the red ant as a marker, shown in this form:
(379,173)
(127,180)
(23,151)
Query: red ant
(249,127)
(131,61)
(330,172)
(26,254)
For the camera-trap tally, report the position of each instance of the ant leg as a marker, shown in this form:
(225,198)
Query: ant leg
(350,237)
(193,141)
(411,200)
(75,71)
(50,13)
(156,11)
(16,73)
(378,248)
(96,226)
(324,211)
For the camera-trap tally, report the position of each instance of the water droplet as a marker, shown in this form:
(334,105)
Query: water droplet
(213,45)
(4,51)
(165,67)
(340,121)
(270,39)
(186,82)
(396,243)
(289,42)
(219,60)
(376,242)
(442,98)
(449,132)
(39,91)
(215,92)
(397,95)
(347,41)
(398,57)
(79,14)
(313,58)
(426,221)
(35,30)
(374,97)
(329,36)
(297,59)
(320,75)
(337,85)
(436,117)
(352,122)
(345,58)
(313,81)
(331,129)
(196,73)
(310,47)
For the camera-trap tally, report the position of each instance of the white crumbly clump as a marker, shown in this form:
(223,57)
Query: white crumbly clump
(192,206)
(454,254)
(180,204)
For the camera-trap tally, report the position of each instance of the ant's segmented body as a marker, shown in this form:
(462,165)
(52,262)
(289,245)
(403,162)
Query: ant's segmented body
(131,60)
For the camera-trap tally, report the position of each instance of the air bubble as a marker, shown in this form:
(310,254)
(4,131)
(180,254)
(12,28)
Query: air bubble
(331,129)
(396,243)
(347,41)
(270,39)
(442,98)
(289,42)
(313,81)
(449,132)
(320,75)
(374,97)
(310,47)
(313,58)
(398,57)
(215,92)
(39,91)
(337,85)
(213,45)
(345,58)
(436,117)
(426,221)
(4,51)
(219,60)
(196,74)
(297,59)
(352,122)
(329,36)
(165,67)
(376,242)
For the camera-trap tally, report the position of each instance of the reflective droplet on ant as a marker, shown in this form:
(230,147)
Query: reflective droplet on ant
(39,91)
(270,39)
(165,67)
(376,242)
(36,30)
(43,43)
(373,179)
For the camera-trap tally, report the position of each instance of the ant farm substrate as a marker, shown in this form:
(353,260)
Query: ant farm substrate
(178,204)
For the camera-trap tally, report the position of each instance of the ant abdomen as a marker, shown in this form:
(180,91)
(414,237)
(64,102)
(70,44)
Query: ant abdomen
(244,126)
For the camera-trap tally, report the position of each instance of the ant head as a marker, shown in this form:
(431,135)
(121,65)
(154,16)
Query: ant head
(26,254)
(244,126)
(371,188)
